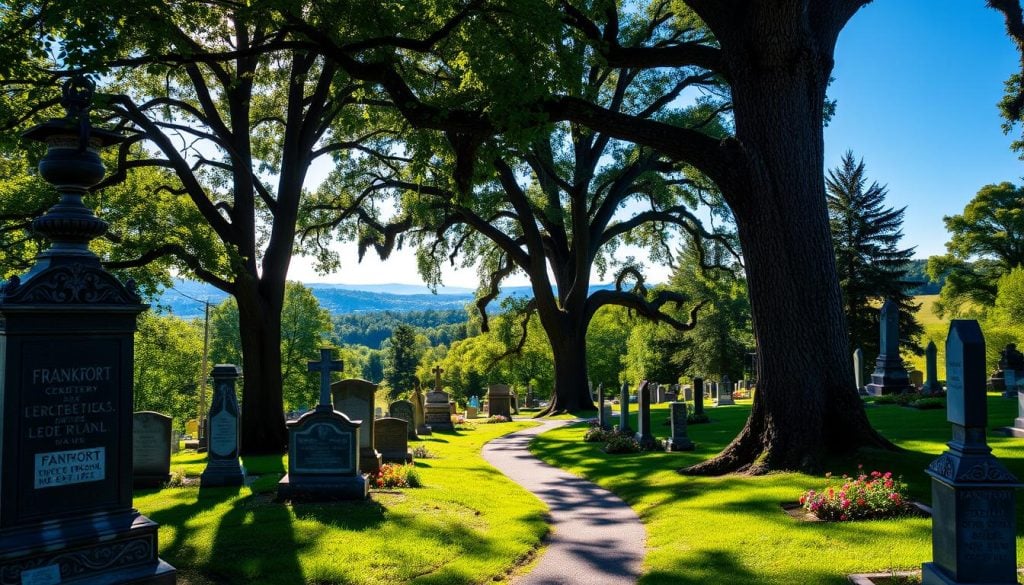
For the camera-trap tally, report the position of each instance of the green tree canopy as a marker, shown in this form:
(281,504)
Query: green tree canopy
(986,242)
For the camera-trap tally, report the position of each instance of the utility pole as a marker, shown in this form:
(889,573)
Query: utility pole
(204,371)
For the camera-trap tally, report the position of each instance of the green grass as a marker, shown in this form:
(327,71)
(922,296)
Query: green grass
(731,529)
(468,524)
(935,329)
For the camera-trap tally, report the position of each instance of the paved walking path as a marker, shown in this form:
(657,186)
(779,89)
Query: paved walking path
(595,538)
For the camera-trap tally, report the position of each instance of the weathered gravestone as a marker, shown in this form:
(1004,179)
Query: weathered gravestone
(624,409)
(404,410)
(531,399)
(698,396)
(419,411)
(931,383)
(391,437)
(713,392)
(514,401)
(151,449)
(223,468)
(473,407)
(499,400)
(66,345)
(687,393)
(916,378)
(973,517)
(672,395)
(889,377)
(679,441)
(1010,360)
(644,435)
(355,398)
(437,408)
(323,448)
(725,392)
(1017,430)
(175,441)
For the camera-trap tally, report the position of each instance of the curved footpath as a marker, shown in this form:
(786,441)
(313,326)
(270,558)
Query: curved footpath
(595,538)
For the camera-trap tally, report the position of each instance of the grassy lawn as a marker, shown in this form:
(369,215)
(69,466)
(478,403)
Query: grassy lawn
(468,524)
(935,329)
(731,529)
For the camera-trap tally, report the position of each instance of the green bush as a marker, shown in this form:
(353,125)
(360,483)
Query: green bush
(619,443)
(596,434)
(929,403)
(697,419)
(395,475)
(421,452)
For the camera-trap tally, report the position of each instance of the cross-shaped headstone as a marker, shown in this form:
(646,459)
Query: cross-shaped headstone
(325,366)
(437,377)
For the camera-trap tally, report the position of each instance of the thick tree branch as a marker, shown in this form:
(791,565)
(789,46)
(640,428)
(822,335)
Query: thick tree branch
(179,252)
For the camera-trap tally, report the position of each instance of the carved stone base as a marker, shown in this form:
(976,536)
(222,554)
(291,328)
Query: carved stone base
(221,473)
(322,488)
(103,549)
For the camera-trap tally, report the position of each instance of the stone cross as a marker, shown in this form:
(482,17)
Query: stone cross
(325,366)
(437,377)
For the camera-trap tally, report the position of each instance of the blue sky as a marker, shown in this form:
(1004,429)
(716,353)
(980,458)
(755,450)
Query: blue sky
(917,82)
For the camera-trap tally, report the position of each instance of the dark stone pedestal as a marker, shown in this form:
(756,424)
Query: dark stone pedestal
(889,377)
(223,467)
(437,413)
(323,488)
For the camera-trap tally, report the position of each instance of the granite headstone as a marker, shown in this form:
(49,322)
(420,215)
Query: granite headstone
(355,398)
(679,441)
(151,449)
(223,467)
(391,437)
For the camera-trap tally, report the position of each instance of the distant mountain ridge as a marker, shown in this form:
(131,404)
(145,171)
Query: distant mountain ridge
(185,299)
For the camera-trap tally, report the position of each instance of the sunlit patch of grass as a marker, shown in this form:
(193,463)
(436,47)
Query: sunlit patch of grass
(731,529)
(467,524)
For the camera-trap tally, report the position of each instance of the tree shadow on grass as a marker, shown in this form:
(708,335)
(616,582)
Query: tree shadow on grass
(721,566)
(179,550)
(237,558)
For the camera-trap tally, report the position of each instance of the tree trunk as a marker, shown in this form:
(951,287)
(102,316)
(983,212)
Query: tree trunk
(259,325)
(569,350)
(806,404)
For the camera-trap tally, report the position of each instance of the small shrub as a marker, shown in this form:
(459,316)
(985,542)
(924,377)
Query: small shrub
(395,475)
(900,399)
(597,435)
(697,419)
(868,496)
(458,419)
(929,403)
(498,418)
(619,443)
(177,478)
(421,452)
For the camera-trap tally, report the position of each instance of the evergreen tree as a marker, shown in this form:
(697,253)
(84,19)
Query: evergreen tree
(871,265)
(401,355)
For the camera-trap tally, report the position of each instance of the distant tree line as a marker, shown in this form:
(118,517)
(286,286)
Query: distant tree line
(372,329)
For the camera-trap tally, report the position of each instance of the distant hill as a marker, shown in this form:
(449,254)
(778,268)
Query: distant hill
(916,273)
(185,298)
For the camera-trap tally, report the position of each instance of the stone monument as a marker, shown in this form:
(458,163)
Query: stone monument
(1010,360)
(973,503)
(679,441)
(698,396)
(499,401)
(624,409)
(151,449)
(323,448)
(437,410)
(419,407)
(725,392)
(355,398)
(223,468)
(473,407)
(644,436)
(405,410)
(391,437)
(931,383)
(66,361)
(889,377)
